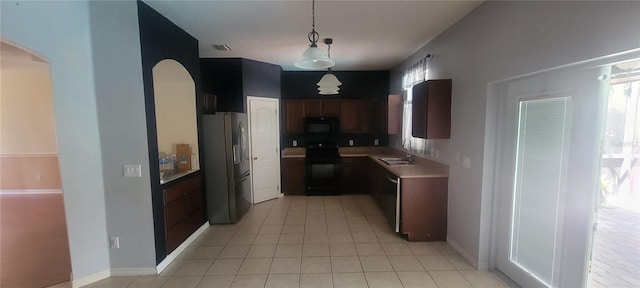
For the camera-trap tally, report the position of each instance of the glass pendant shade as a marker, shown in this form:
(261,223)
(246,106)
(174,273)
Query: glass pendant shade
(329,80)
(314,58)
(328,84)
(330,91)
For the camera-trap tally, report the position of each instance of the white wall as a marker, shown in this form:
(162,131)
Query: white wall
(123,133)
(59,32)
(499,40)
(26,113)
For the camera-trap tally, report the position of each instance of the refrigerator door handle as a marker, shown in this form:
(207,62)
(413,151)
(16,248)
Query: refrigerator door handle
(235,152)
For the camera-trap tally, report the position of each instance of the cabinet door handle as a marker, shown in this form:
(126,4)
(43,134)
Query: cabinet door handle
(394,181)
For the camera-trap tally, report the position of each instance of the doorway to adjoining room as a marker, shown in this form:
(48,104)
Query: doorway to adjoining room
(34,245)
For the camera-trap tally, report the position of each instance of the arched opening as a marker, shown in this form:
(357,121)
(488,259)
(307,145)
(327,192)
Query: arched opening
(34,245)
(176,117)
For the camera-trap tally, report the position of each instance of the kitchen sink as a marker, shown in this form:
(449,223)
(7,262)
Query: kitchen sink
(395,161)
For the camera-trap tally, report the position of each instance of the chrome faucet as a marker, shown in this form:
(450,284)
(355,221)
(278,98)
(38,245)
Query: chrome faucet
(408,157)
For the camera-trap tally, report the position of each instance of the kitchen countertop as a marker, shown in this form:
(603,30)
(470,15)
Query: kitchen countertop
(422,168)
(177,175)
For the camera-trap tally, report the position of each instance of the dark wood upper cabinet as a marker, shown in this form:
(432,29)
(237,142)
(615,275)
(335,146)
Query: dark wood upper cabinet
(366,116)
(348,116)
(394,114)
(321,108)
(431,109)
(360,116)
(356,115)
(331,108)
(381,115)
(313,108)
(293,121)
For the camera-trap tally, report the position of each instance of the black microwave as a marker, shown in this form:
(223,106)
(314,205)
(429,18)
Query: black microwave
(322,126)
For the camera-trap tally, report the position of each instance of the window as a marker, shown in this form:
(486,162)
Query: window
(415,74)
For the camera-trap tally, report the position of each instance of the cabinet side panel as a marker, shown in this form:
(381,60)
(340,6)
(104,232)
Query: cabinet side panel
(293,173)
(439,109)
(395,114)
(424,209)
(419,111)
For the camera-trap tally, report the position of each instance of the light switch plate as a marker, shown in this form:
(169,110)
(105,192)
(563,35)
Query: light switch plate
(132,170)
(114,242)
(295,143)
(376,142)
(466,162)
(350,142)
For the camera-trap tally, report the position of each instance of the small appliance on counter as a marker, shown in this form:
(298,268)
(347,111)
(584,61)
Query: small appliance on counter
(226,164)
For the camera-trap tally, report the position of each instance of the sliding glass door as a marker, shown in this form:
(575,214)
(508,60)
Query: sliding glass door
(547,175)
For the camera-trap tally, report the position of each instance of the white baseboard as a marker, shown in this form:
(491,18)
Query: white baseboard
(91,278)
(474,262)
(30,191)
(167,260)
(140,271)
(133,271)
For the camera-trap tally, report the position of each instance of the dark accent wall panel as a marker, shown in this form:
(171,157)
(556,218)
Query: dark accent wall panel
(223,77)
(261,79)
(233,79)
(355,84)
(161,39)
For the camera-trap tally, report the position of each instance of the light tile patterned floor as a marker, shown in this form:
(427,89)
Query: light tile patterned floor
(320,241)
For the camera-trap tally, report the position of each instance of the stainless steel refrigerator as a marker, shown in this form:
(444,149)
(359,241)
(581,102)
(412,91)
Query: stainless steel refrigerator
(226,163)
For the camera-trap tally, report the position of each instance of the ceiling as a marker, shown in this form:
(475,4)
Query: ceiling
(367,35)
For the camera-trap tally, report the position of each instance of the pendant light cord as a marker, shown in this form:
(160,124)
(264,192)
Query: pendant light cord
(313,15)
(313,35)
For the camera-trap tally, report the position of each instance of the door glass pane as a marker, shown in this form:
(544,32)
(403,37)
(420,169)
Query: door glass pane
(543,135)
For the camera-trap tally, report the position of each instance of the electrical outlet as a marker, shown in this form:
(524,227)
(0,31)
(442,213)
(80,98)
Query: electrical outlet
(38,178)
(295,143)
(132,171)
(376,142)
(114,242)
(350,142)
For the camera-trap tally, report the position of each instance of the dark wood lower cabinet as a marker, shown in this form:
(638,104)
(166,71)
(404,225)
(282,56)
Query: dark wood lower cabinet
(293,173)
(423,208)
(183,210)
(353,175)
(423,203)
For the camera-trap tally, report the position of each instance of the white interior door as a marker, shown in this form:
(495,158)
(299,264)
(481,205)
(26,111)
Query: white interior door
(548,176)
(264,131)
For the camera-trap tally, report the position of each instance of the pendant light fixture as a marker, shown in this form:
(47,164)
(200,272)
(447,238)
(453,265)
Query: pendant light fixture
(314,57)
(328,84)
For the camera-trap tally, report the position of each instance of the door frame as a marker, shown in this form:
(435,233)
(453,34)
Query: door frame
(489,238)
(277,102)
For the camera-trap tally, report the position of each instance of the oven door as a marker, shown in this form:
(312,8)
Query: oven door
(322,178)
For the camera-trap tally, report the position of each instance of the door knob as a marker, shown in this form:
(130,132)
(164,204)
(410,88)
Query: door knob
(255,158)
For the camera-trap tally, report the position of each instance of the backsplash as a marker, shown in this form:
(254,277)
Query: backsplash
(359,140)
